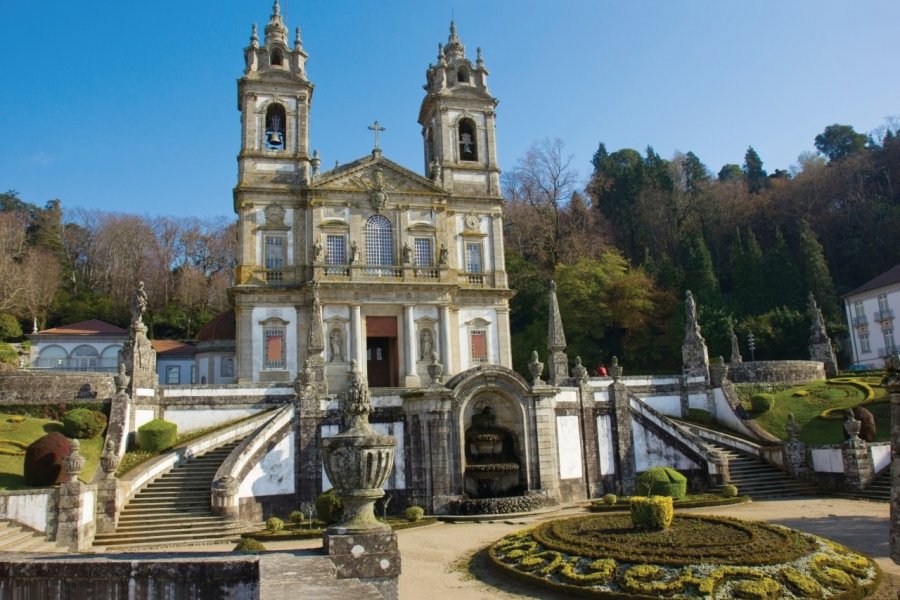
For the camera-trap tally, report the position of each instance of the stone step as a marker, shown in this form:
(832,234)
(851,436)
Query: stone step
(18,538)
(166,538)
(129,520)
(149,533)
(285,576)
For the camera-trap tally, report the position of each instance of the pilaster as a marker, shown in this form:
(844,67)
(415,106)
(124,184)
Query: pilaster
(626,469)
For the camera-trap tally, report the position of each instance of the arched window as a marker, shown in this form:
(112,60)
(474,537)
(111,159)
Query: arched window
(462,75)
(276,58)
(84,358)
(379,244)
(468,148)
(275,130)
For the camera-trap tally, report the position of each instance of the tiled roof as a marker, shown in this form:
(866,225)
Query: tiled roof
(221,328)
(92,327)
(172,347)
(890,276)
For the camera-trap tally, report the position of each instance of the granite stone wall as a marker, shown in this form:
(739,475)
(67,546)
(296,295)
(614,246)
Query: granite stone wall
(776,371)
(46,387)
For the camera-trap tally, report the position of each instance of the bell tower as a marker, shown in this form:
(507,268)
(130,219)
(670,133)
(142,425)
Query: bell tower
(274,98)
(458,122)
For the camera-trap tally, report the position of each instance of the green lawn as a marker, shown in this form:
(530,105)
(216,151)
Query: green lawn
(820,396)
(27,431)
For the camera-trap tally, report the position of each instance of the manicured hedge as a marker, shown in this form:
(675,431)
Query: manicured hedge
(329,507)
(44,460)
(83,423)
(662,481)
(762,402)
(157,435)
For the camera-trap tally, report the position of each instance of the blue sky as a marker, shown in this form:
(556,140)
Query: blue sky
(131,106)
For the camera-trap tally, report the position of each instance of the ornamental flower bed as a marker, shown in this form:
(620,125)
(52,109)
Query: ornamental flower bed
(697,557)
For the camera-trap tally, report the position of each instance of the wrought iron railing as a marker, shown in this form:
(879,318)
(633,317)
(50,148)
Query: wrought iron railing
(884,315)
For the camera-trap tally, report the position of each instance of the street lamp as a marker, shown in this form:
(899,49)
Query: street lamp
(751,343)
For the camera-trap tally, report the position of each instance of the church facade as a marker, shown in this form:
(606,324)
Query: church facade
(369,261)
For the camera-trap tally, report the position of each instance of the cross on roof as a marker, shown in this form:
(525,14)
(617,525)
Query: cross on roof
(377,128)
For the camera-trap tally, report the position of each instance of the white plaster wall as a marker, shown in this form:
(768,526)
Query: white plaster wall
(192,419)
(274,474)
(569,439)
(667,405)
(650,451)
(207,392)
(466,315)
(88,507)
(27,508)
(426,312)
(288,219)
(881,456)
(827,460)
(285,313)
(725,414)
(331,311)
(184,369)
(697,401)
(605,445)
(601,396)
(567,395)
(142,416)
(397,479)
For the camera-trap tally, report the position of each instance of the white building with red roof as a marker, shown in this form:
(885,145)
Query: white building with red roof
(870,310)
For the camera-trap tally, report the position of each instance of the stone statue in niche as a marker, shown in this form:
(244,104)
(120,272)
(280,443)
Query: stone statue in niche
(406,253)
(354,253)
(336,341)
(317,251)
(426,344)
(443,256)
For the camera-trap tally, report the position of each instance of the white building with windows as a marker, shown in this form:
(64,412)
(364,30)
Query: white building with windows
(870,318)
(86,346)
(368,261)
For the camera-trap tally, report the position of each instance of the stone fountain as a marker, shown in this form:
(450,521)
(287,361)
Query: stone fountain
(358,461)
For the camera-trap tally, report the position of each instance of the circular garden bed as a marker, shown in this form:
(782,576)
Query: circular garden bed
(697,557)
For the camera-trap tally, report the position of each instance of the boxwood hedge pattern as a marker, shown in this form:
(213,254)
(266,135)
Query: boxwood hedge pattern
(697,557)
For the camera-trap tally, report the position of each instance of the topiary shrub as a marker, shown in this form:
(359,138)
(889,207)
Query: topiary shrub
(414,513)
(762,402)
(43,460)
(654,513)
(329,507)
(274,524)
(83,424)
(662,481)
(610,499)
(249,546)
(698,415)
(296,517)
(157,435)
(729,491)
(10,328)
(866,423)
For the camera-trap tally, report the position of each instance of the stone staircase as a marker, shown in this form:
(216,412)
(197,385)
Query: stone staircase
(758,479)
(174,509)
(288,576)
(18,538)
(879,490)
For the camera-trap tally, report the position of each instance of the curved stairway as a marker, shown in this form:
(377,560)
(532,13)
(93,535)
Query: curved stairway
(174,509)
(15,537)
(756,478)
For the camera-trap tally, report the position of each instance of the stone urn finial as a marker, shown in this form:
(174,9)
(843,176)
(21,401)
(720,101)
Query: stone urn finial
(74,462)
(358,460)
(851,429)
(579,372)
(122,379)
(615,371)
(536,368)
(109,460)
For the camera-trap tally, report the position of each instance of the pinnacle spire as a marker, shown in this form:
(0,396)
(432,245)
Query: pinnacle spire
(556,337)
(454,50)
(275,30)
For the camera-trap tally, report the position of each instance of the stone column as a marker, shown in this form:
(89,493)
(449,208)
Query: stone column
(858,467)
(892,383)
(75,528)
(357,342)
(545,437)
(412,351)
(446,353)
(623,444)
(308,467)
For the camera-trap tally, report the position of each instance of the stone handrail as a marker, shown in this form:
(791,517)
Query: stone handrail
(242,459)
(716,464)
(773,454)
(133,481)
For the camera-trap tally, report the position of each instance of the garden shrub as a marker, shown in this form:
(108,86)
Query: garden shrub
(729,491)
(610,499)
(43,463)
(157,435)
(296,517)
(653,513)
(10,328)
(274,524)
(329,507)
(249,546)
(698,415)
(867,426)
(414,513)
(8,355)
(83,423)
(662,481)
(762,402)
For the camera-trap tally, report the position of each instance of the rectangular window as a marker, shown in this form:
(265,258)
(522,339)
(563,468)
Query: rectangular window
(275,257)
(864,343)
(474,263)
(226,367)
(424,252)
(335,250)
(478,345)
(193,374)
(173,375)
(274,348)
(858,309)
(889,345)
(883,303)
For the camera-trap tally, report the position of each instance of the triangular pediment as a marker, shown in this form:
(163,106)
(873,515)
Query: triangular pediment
(374,173)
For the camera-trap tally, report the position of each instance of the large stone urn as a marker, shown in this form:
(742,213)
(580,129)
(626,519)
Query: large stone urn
(358,460)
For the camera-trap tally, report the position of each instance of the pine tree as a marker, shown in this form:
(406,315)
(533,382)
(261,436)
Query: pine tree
(816,274)
(749,283)
(699,276)
(783,279)
(754,173)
